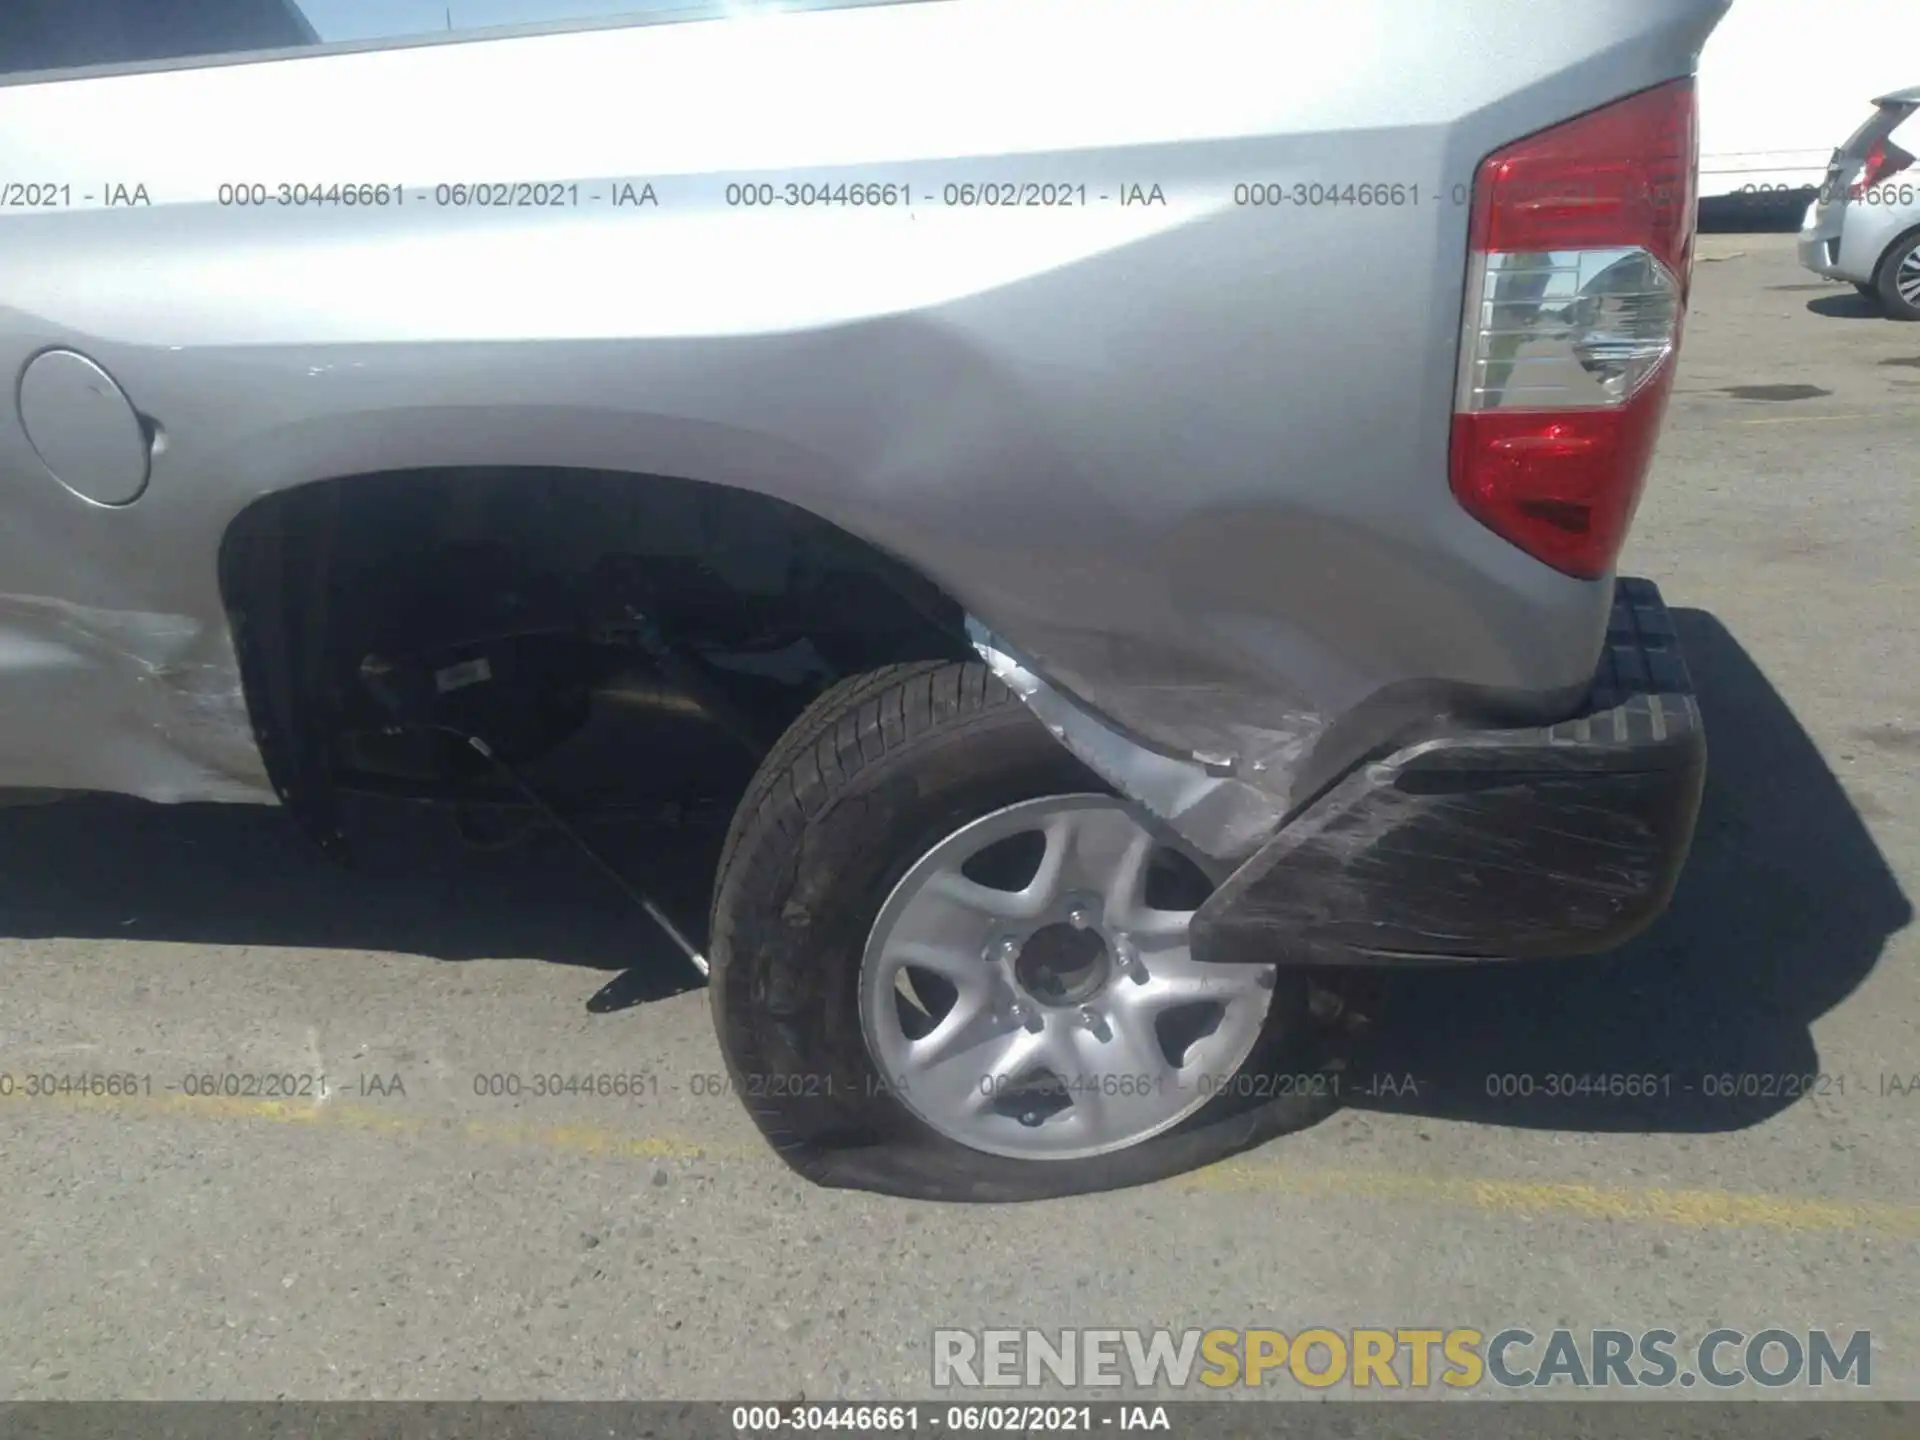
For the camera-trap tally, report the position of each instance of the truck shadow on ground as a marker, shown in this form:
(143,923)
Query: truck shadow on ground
(109,868)
(1784,907)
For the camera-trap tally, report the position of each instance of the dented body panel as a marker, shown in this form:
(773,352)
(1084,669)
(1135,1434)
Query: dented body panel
(1183,458)
(135,701)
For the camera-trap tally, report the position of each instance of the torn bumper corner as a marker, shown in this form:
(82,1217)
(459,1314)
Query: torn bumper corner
(1493,844)
(1221,816)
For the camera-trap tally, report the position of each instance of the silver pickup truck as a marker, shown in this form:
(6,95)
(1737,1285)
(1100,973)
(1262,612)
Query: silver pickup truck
(1118,503)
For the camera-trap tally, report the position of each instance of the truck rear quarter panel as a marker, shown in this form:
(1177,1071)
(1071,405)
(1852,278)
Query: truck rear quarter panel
(1187,456)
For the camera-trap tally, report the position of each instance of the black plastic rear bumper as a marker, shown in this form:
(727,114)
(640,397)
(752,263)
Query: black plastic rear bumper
(1490,844)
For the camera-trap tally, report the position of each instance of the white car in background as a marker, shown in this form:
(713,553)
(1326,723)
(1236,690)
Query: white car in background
(1865,224)
(1775,89)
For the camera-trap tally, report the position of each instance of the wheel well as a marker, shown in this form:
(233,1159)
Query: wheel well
(642,639)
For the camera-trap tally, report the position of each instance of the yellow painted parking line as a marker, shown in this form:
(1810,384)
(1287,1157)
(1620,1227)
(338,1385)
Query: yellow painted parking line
(1683,1209)
(1907,412)
(1690,1209)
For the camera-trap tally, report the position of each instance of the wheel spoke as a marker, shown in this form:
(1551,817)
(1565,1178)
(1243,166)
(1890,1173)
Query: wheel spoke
(1128,1046)
(1107,853)
(944,1068)
(1126,887)
(952,909)
(1044,888)
(1023,1052)
(1121,1080)
(1175,978)
(1242,995)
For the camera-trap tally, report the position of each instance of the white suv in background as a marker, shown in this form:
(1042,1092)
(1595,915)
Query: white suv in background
(1865,225)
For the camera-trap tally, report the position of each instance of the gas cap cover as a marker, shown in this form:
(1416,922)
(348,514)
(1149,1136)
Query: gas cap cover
(84,428)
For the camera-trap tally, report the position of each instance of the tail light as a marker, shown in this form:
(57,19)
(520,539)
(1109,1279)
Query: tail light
(1883,162)
(1582,240)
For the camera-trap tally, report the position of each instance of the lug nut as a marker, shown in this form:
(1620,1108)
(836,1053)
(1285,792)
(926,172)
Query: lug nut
(1023,1016)
(1080,917)
(1089,1017)
(1008,949)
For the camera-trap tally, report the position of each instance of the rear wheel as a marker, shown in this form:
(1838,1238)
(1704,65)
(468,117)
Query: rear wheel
(949,963)
(1899,281)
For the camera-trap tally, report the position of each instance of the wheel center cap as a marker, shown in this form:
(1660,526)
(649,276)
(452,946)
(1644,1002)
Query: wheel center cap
(1060,965)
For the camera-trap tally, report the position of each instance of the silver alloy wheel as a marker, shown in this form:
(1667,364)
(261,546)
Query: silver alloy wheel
(1061,1019)
(1907,279)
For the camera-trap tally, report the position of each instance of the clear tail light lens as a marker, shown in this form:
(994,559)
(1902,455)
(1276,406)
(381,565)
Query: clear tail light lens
(1582,247)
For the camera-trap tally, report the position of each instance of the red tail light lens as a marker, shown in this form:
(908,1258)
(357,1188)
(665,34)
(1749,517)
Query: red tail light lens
(1883,161)
(1620,175)
(1582,251)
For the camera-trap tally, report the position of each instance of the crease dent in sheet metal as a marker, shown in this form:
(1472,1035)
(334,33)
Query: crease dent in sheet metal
(177,713)
(1204,798)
